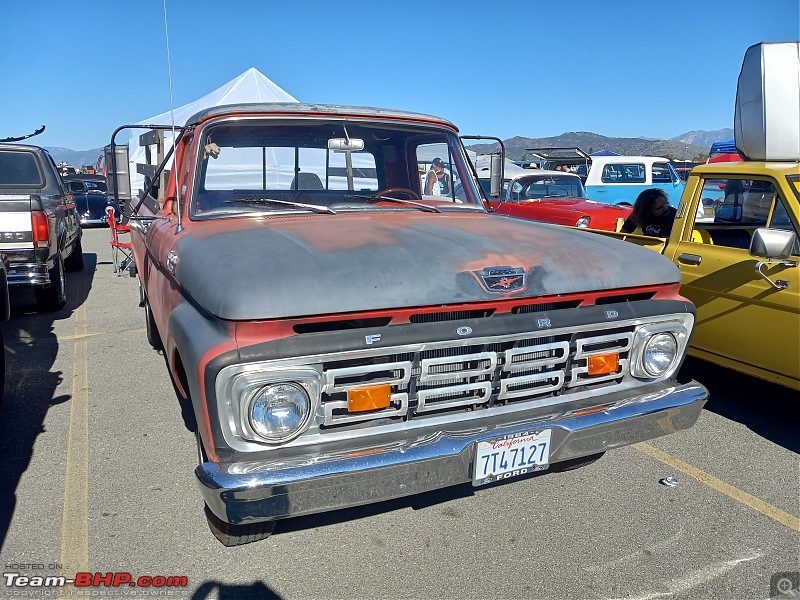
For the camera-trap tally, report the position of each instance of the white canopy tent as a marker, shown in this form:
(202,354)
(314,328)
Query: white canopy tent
(250,86)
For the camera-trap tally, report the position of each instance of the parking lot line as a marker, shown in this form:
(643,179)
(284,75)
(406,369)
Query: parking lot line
(765,508)
(75,522)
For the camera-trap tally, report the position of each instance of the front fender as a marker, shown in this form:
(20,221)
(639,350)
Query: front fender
(194,338)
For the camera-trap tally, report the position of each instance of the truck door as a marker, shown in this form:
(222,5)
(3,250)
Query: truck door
(740,316)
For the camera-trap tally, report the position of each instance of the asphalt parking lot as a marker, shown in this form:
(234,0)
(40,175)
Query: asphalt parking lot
(98,463)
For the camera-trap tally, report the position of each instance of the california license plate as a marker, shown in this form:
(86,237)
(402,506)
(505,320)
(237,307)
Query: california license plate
(511,456)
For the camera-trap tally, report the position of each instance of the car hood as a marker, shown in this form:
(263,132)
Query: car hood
(296,266)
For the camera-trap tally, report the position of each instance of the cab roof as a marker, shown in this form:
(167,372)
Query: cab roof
(301,109)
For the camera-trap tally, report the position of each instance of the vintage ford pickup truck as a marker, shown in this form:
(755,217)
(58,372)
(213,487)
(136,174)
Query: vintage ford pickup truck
(735,237)
(345,338)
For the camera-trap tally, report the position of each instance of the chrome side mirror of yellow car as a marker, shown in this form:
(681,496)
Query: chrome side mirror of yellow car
(773,244)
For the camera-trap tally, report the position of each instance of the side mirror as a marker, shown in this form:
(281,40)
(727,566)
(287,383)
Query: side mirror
(773,244)
(496,175)
(117,173)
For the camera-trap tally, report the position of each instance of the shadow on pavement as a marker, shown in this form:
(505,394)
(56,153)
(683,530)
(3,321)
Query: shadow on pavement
(770,410)
(226,591)
(31,384)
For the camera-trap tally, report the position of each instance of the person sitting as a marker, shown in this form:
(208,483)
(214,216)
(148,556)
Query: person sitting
(651,214)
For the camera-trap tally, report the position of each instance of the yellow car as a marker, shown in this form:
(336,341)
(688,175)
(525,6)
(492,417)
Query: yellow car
(735,240)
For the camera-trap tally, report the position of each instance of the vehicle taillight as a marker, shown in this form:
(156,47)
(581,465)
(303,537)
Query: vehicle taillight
(41,229)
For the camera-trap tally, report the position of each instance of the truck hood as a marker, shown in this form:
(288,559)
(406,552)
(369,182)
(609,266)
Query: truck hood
(257,268)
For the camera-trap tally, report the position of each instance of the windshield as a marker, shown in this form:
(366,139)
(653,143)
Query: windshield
(96,186)
(547,186)
(327,166)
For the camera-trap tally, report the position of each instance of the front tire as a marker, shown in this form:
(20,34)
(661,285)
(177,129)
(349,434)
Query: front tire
(152,331)
(54,296)
(575,463)
(236,535)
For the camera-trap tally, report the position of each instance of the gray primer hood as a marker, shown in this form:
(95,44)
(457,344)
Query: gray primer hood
(298,266)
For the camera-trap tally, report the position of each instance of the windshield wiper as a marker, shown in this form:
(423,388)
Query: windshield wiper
(419,205)
(261,201)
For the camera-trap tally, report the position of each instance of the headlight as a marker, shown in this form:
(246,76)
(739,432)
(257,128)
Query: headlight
(659,353)
(278,411)
(583,222)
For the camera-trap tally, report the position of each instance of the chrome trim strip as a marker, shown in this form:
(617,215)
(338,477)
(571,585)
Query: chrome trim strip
(510,365)
(331,419)
(331,375)
(507,394)
(426,376)
(425,397)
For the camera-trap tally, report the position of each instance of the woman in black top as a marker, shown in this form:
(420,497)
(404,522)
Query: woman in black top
(651,213)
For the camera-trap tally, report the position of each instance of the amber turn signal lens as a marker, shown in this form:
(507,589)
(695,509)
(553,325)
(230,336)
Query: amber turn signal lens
(602,364)
(371,398)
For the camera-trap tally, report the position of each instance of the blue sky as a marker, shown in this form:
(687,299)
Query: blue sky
(622,68)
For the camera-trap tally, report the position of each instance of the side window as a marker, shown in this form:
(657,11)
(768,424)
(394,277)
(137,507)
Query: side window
(730,209)
(623,173)
(661,173)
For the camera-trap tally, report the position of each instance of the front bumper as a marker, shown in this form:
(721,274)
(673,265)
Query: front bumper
(248,492)
(93,220)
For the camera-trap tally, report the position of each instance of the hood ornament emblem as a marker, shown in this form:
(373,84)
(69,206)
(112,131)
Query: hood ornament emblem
(502,279)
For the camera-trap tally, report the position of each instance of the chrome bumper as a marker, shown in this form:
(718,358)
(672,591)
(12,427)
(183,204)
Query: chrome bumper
(248,492)
(28,274)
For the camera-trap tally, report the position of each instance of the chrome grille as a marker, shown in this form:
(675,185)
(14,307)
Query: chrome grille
(451,377)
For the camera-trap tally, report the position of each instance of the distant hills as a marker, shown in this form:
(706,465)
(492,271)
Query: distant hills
(704,138)
(698,143)
(690,145)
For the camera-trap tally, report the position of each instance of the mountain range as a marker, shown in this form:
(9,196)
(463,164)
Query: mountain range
(687,146)
(681,147)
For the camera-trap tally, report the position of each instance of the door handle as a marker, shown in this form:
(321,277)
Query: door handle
(690,259)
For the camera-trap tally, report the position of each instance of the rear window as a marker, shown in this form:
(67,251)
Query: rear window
(19,169)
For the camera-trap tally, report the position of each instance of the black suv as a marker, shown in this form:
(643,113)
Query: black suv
(39,228)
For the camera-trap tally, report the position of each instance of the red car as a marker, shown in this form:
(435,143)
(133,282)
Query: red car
(555,197)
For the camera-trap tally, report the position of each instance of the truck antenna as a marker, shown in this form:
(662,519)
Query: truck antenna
(179,228)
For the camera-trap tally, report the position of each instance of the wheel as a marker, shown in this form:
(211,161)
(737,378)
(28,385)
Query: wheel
(54,296)
(397,190)
(236,535)
(152,332)
(74,261)
(575,463)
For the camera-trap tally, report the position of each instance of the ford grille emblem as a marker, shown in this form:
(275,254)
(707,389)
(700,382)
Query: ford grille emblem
(464,330)
(502,279)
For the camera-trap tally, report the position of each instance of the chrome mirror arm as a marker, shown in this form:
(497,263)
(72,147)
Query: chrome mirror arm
(778,284)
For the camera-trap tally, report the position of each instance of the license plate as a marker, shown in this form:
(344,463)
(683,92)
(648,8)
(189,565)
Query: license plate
(511,456)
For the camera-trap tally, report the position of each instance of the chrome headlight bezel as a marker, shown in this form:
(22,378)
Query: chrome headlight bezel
(238,392)
(679,329)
